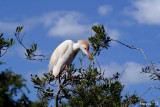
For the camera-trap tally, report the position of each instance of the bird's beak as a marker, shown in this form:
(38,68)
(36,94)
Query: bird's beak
(89,54)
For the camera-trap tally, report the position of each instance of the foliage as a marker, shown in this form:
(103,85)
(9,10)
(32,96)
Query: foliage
(147,69)
(130,100)
(5,44)
(40,85)
(99,40)
(13,85)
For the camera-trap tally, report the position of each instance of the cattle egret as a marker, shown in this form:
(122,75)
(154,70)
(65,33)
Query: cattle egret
(65,53)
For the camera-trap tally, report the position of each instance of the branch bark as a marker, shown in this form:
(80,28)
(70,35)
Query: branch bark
(58,91)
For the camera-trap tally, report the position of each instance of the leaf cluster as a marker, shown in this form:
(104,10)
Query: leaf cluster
(43,90)
(5,44)
(130,100)
(147,69)
(30,52)
(99,40)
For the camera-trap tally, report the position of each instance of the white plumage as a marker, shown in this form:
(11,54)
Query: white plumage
(65,53)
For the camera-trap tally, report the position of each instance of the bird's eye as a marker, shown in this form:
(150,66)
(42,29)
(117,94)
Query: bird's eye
(85,48)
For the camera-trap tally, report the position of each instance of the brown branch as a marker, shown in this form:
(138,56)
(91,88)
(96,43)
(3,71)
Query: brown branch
(132,47)
(58,91)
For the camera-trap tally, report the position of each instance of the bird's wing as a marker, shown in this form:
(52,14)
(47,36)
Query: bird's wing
(59,56)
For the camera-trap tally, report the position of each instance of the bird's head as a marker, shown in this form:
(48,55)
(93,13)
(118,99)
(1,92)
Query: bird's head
(84,46)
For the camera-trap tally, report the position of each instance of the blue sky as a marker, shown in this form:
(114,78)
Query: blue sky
(134,22)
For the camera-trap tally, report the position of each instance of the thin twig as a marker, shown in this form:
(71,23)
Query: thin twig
(122,72)
(149,89)
(4,52)
(20,40)
(30,57)
(98,63)
(22,37)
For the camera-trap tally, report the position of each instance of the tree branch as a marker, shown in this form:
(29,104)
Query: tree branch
(132,47)
(149,89)
(58,91)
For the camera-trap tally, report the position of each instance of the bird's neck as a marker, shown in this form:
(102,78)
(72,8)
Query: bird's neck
(76,47)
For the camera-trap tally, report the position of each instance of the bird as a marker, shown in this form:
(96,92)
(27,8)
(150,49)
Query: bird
(65,53)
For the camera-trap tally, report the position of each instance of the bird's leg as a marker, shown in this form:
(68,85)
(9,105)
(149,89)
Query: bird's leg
(68,73)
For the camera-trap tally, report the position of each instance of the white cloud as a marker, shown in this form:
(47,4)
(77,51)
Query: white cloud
(131,74)
(114,34)
(65,24)
(69,26)
(120,23)
(145,11)
(20,51)
(111,69)
(104,10)
(10,27)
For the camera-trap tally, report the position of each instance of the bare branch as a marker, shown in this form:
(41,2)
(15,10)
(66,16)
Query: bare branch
(132,47)
(149,89)
(124,68)
(20,40)
(58,91)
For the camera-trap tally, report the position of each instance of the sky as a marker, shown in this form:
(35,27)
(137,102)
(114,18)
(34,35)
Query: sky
(134,22)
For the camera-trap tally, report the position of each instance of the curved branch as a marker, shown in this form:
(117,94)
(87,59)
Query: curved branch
(132,47)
